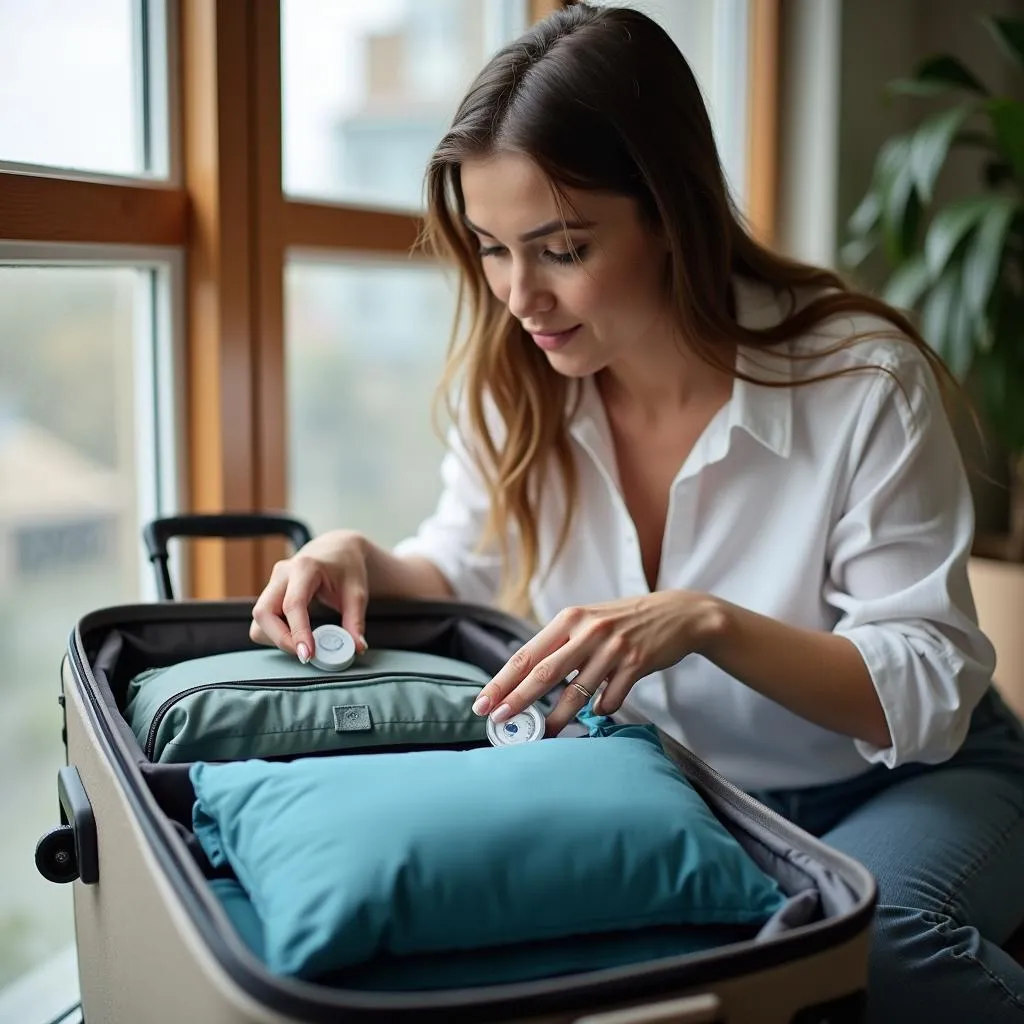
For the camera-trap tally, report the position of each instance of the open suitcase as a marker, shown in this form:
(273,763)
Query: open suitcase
(155,946)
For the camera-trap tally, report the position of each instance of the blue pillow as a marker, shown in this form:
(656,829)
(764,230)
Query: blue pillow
(349,858)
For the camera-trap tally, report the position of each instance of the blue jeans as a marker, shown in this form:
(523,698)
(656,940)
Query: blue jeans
(946,846)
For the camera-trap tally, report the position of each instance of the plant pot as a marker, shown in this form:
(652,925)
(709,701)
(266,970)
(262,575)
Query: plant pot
(998,587)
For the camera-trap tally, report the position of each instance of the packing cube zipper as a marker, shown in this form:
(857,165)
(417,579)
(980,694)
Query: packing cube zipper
(265,703)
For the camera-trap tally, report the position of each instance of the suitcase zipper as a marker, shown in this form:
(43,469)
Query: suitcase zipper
(249,684)
(714,781)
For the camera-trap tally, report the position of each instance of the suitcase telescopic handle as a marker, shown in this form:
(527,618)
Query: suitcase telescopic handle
(226,525)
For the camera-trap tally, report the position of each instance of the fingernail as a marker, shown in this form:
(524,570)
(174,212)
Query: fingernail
(596,706)
(303,652)
(501,714)
(481,704)
(363,645)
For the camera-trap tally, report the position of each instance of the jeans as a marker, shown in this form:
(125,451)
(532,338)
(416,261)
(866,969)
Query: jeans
(946,846)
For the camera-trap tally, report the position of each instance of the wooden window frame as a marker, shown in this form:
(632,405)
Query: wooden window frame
(763,119)
(231,218)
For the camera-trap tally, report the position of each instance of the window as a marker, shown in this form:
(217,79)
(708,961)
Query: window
(365,347)
(77,355)
(80,87)
(368,89)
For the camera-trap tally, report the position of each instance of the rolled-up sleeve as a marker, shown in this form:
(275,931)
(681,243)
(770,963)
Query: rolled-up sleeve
(450,537)
(898,569)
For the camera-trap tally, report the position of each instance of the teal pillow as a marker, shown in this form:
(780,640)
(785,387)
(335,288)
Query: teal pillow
(349,858)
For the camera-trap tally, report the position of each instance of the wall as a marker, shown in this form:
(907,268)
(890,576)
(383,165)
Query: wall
(808,128)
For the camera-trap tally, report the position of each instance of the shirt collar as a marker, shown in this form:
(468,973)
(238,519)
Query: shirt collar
(765,413)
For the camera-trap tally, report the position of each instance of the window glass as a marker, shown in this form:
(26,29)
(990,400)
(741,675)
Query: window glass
(68,544)
(72,88)
(365,349)
(369,88)
(713,37)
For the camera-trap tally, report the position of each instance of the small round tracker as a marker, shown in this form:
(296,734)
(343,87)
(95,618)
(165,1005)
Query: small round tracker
(334,648)
(526,727)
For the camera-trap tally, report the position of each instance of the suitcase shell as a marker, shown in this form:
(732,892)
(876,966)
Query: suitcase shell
(154,945)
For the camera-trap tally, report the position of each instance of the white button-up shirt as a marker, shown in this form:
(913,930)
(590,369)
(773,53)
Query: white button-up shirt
(841,505)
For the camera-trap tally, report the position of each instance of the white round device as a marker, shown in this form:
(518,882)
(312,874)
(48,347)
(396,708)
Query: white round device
(334,649)
(526,727)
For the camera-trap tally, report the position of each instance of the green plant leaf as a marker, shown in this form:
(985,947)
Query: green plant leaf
(894,215)
(913,214)
(1008,121)
(856,251)
(959,338)
(937,310)
(894,183)
(930,144)
(906,286)
(936,75)
(892,156)
(923,88)
(948,228)
(1009,33)
(865,217)
(984,255)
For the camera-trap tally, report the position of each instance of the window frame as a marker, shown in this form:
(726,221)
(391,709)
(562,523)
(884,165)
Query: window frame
(223,195)
(763,148)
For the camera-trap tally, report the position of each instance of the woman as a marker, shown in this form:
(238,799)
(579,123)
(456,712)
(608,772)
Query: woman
(725,483)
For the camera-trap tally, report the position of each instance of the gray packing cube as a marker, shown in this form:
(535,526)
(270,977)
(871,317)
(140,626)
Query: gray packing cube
(155,944)
(265,703)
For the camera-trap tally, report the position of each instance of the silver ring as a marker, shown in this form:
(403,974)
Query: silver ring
(582,689)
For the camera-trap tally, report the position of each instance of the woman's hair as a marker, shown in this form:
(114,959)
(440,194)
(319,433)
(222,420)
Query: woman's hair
(601,99)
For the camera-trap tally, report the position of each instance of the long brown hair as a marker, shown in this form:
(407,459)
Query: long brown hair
(600,98)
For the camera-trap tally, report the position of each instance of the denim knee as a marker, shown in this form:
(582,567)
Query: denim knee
(928,959)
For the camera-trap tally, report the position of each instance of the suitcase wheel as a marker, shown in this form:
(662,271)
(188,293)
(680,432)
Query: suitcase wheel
(69,851)
(55,855)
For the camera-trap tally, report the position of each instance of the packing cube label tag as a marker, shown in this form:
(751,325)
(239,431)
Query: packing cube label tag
(352,718)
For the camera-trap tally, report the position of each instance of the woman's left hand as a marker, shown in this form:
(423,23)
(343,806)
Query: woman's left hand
(618,641)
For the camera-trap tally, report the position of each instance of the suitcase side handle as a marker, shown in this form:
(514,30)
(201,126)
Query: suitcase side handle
(227,525)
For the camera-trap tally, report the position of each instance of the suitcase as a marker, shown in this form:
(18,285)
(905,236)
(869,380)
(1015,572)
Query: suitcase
(155,947)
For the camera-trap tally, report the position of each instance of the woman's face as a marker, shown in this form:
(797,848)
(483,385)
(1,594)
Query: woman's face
(587,312)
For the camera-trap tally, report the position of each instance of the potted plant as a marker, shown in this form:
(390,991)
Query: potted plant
(958,267)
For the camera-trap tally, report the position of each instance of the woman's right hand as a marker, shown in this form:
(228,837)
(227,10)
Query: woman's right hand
(331,568)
